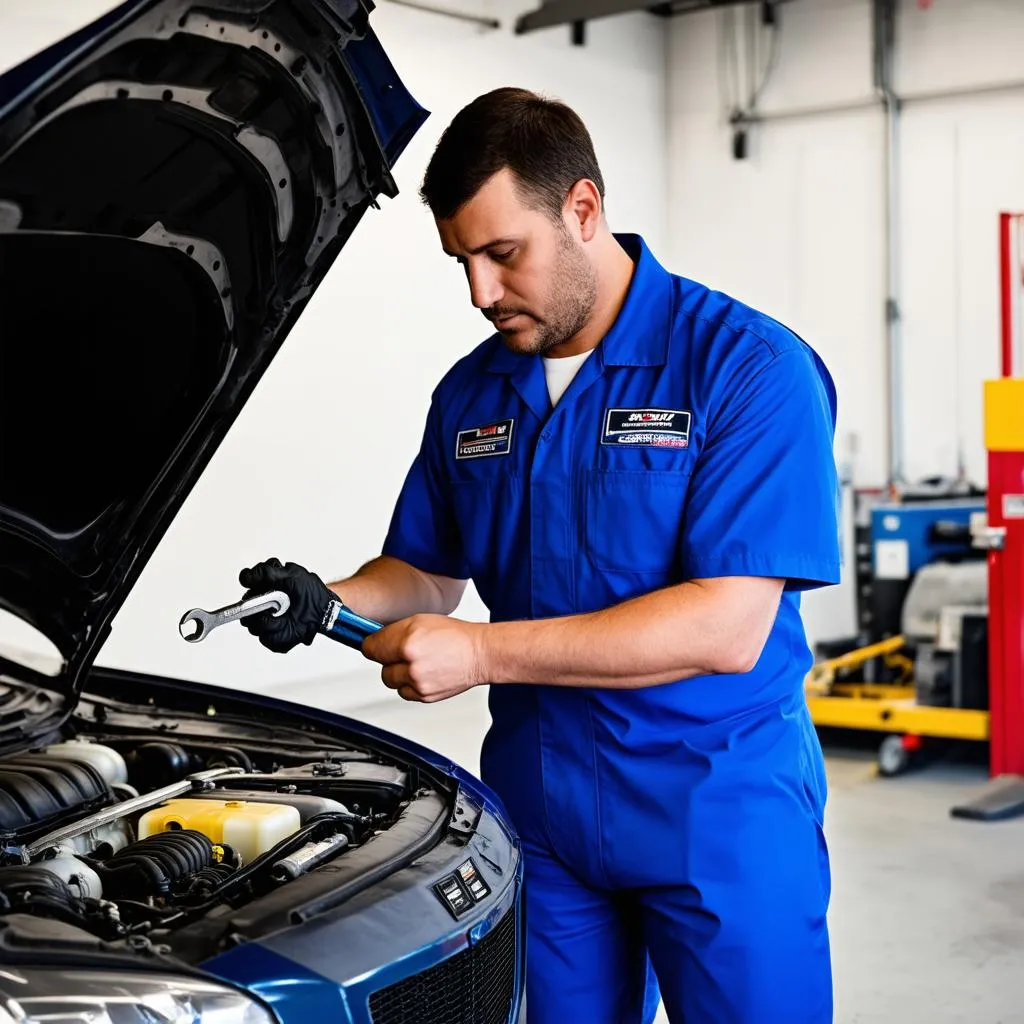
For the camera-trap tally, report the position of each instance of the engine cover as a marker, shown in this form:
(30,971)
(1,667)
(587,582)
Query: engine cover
(36,789)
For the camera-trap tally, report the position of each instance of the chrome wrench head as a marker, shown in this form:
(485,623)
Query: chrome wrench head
(202,621)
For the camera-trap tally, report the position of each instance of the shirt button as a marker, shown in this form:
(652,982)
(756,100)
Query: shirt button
(546,436)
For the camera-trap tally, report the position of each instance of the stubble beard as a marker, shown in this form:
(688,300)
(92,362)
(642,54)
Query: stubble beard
(569,304)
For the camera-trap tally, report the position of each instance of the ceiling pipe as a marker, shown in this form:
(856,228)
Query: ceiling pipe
(884,17)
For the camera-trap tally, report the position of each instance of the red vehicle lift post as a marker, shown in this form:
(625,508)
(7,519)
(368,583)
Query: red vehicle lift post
(1004,537)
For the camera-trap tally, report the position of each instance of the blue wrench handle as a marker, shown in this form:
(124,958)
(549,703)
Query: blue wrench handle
(342,624)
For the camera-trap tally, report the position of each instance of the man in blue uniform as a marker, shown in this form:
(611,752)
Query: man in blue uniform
(637,474)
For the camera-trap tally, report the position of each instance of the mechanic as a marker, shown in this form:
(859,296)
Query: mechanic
(637,473)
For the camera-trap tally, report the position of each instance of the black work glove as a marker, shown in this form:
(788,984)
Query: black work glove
(309,599)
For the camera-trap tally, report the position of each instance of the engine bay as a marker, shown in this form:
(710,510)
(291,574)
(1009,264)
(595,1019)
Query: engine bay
(198,832)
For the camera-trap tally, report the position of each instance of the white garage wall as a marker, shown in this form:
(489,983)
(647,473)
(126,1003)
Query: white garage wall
(311,469)
(963,164)
(798,228)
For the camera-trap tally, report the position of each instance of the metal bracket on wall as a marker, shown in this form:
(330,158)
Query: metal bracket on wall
(447,12)
(574,12)
(577,12)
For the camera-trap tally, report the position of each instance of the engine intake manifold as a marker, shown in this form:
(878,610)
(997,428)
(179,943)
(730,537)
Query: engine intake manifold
(163,864)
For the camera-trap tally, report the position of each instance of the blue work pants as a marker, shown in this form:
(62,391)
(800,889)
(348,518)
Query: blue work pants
(714,880)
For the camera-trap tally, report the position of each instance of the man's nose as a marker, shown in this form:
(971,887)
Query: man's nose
(485,288)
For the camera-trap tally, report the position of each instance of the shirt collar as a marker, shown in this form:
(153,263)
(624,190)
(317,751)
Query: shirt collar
(640,334)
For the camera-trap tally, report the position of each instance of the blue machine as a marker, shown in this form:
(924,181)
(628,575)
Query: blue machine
(911,536)
(905,538)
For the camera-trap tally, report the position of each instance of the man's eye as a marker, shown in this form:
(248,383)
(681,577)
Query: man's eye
(504,255)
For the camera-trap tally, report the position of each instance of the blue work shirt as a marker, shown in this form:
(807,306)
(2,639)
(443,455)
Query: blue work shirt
(696,441)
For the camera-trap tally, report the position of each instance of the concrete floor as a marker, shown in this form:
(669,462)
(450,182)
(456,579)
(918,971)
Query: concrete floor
(927,917)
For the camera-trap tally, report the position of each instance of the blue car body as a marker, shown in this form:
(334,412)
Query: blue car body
(190,173)
(382,956)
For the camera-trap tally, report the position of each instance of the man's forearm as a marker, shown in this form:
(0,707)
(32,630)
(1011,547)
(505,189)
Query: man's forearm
(388,589)
(698,628)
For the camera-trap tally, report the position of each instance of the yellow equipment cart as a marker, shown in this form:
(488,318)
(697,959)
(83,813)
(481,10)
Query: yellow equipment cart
(836,701)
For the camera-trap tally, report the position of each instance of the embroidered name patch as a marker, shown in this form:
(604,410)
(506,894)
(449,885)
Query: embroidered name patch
(492,439)
(652,428)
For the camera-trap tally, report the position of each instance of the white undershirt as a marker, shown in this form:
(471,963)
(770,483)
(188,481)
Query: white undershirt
(560,372)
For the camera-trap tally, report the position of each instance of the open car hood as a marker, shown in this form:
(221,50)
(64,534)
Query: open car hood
(175,181)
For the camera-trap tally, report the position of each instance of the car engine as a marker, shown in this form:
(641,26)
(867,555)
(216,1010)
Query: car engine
(193,844)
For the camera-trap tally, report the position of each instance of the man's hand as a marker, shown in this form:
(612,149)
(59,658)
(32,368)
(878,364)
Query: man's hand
(309,599)
(428,658)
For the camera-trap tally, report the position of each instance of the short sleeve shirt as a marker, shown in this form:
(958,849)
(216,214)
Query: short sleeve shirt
(696,442)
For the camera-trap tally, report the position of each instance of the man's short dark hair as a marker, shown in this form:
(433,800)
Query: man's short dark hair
(542,142)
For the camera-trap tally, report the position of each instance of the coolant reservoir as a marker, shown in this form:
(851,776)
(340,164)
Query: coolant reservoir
(251,829)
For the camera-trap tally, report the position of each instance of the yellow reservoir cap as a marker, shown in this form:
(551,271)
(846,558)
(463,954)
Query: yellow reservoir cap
(249,828)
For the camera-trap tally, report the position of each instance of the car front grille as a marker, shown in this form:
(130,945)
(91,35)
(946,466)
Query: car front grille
(476,986)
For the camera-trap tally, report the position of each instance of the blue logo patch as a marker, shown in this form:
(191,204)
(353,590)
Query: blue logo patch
(647,428)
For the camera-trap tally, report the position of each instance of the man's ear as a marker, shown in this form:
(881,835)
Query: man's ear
(583,208)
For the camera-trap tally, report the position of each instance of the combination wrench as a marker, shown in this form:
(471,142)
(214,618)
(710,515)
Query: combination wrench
(340,623)
(276,602)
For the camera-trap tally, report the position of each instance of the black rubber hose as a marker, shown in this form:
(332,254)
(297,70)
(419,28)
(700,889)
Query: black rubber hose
(52,909)
(318,827)
(387,866)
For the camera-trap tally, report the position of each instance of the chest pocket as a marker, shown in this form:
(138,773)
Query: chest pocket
(487,510)
(634,519)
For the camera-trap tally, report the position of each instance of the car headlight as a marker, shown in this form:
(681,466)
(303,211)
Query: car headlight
(55,996)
